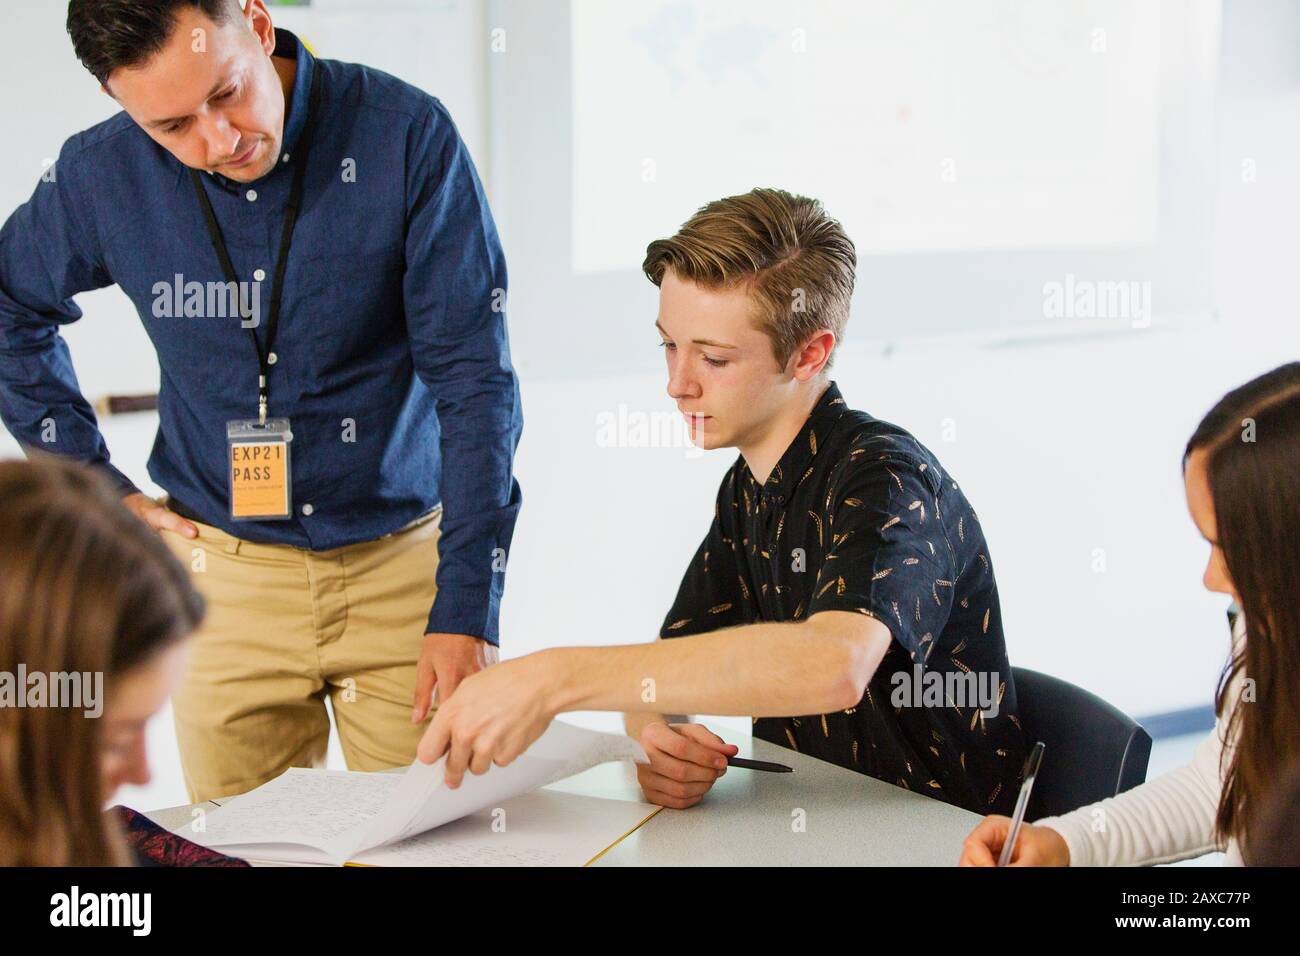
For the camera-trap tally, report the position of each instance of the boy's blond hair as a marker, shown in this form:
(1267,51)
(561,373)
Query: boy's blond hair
(792,259)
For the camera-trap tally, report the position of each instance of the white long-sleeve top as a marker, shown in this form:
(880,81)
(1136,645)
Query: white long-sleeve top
(1164,820)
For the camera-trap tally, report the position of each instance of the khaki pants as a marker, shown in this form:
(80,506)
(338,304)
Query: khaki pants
(287,626)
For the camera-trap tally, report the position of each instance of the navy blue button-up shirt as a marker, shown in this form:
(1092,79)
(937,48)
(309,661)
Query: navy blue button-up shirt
(393,363)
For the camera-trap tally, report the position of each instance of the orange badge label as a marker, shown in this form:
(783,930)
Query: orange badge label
(259,479)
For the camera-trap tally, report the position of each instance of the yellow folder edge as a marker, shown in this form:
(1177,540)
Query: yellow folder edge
(624,836)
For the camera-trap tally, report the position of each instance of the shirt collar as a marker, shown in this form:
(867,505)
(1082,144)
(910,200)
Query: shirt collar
(286,45)
(789,471)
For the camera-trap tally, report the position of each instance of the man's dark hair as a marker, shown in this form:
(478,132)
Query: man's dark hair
(110,34)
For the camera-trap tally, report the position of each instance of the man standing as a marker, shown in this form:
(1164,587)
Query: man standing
(844,594)
(309,247)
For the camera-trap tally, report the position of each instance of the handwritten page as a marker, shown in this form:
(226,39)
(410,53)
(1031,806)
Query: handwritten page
(335,816)
(318,809)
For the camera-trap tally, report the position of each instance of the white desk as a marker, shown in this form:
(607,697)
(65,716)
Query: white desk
(820,815)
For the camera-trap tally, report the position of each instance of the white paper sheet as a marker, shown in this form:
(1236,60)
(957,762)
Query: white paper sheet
(318,815)
(542,828)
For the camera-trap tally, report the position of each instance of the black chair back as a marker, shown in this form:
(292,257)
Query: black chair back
(1094,750)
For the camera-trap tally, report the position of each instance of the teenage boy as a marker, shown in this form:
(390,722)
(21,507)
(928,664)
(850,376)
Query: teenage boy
(844,595)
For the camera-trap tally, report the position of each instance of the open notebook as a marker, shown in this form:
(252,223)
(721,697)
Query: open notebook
(504,817)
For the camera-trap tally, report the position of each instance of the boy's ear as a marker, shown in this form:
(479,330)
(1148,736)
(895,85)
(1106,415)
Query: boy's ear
(812,358)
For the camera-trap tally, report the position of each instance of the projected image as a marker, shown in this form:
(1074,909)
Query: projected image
(996,125)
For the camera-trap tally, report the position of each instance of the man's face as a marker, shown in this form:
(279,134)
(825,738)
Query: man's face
(720,364)
(211,97)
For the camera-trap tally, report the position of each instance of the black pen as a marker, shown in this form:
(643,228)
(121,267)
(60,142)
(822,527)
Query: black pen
(745,764)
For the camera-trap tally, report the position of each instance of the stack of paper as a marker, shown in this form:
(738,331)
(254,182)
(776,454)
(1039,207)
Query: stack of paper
(385,819)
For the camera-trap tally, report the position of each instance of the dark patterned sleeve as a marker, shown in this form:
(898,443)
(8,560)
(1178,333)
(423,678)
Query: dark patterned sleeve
(151,845)
(713,593)
(887,555)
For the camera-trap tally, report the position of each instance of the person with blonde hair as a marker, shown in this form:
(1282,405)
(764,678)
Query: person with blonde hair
(844,594)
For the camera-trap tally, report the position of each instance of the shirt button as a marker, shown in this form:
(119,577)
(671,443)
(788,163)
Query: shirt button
(307,509)
(252,195)
(272,359)
(259,275)
(285,158)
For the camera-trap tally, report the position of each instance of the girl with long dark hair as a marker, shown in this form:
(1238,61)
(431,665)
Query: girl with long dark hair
(1242,473)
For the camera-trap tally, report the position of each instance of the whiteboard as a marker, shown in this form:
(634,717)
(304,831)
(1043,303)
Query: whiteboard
(978,152)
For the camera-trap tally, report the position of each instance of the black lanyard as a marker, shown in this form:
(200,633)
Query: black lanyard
(286,237)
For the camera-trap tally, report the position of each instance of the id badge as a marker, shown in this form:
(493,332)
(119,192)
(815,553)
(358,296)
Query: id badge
(258,456)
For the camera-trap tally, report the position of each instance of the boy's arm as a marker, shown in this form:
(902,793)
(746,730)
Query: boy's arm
(840,651)
(815,666)
(807,667)
(635,721)
(726,666)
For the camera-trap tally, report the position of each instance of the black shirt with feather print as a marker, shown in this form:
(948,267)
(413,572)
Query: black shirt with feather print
(859,516)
